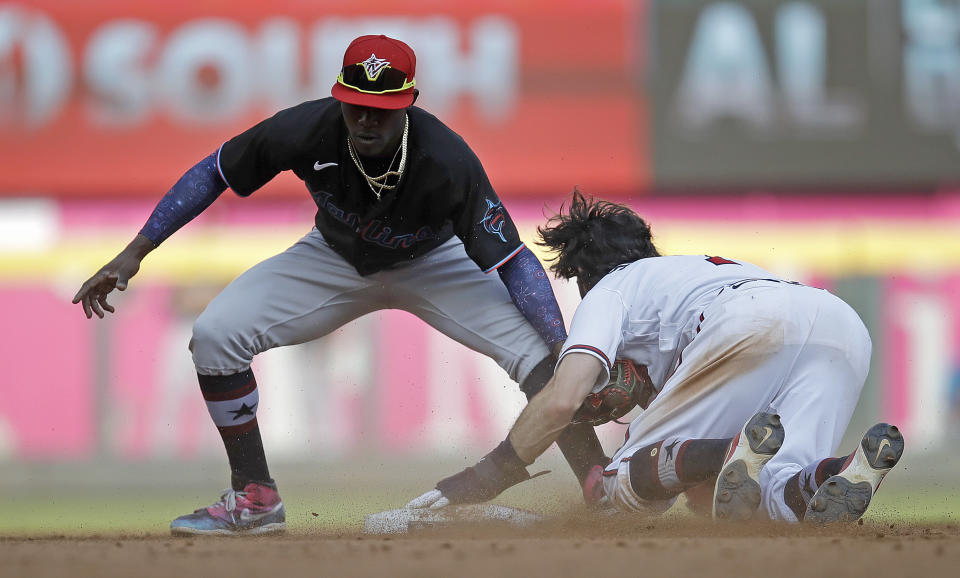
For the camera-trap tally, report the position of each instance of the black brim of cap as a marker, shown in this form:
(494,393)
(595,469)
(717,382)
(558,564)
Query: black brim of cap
(389,101)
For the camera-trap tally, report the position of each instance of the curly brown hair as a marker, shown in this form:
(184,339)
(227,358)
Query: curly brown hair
(593,238)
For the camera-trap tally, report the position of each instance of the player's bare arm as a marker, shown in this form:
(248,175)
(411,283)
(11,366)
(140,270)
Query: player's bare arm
(547,414)
(540,424)
(92,295)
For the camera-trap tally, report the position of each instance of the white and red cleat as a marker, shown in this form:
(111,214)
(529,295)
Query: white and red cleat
(845,496)
(736,495)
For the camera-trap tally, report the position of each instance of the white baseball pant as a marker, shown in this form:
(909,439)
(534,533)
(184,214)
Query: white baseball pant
(794,350)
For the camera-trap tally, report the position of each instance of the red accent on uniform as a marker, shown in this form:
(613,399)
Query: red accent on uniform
(846,464)
(609,473)
(721,261)
(818,477)
(602,355)
(232,394)
(505,259)
(733,447)
(235,430)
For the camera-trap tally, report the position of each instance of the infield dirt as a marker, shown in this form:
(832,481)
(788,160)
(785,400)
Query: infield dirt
(568,547)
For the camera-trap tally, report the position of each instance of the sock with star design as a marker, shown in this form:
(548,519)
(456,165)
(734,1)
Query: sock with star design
(665,469)
(804,484)
(232,401)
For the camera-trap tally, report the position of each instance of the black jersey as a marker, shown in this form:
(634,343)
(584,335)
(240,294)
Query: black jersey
(444,190)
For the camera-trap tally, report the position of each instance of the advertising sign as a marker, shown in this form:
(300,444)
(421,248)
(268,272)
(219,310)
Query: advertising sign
(119,98)
(805,93)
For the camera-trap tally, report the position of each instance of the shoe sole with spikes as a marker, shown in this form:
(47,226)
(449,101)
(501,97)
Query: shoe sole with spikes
(846,496)
(736,495)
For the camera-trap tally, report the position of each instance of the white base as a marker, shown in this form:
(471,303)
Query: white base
(406,520)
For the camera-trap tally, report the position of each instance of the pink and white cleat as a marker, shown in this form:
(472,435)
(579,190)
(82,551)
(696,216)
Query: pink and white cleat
(257,509)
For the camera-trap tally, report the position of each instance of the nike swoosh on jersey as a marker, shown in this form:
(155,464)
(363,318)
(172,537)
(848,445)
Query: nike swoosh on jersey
(319,167)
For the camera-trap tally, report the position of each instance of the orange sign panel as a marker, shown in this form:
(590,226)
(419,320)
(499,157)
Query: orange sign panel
(119,98)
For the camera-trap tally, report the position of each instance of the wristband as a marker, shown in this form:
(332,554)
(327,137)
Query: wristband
(497,471)
(505,457)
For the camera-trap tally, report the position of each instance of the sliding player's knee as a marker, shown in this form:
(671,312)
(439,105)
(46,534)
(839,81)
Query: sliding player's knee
(621,493)
(648,480)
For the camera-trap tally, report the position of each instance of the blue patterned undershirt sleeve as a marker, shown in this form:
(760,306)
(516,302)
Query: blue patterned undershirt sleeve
(530,290)
(191,195)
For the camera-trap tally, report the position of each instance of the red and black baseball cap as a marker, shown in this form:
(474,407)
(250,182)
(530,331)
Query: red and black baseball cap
(378,72)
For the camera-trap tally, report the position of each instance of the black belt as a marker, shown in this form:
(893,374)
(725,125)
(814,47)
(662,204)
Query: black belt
(743,282)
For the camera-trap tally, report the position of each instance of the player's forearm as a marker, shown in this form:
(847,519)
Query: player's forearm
(540,424)
(139,247)
(191,195)
(530,290)
(550,411)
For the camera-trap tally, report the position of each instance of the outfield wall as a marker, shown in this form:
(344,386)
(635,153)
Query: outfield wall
(124,389)
(114,98)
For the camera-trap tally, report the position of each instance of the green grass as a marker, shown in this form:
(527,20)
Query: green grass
(332,509)
(318,510)
(932,505)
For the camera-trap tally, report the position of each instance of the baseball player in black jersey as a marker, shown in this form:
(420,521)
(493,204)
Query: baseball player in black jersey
(406,219)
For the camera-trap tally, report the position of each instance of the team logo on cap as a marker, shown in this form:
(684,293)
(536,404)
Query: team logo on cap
(374,66)
(493,219)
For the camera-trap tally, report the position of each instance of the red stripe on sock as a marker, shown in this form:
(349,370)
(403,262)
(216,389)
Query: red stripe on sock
(232,394)
(235,430)
(818,477)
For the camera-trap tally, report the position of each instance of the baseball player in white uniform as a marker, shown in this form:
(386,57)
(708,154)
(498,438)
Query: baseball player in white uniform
(756,379)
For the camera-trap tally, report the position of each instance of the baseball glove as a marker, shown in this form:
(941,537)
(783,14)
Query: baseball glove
(629,386)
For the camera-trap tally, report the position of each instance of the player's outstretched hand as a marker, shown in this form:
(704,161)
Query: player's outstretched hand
(114,275)
(92,295)
(471,486)
(432,500)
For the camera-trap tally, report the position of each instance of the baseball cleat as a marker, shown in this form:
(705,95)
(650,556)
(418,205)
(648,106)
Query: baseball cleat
(736,495)
(256,509)
(845,496)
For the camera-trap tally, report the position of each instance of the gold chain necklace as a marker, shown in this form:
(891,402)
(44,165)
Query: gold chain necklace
(381,181)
